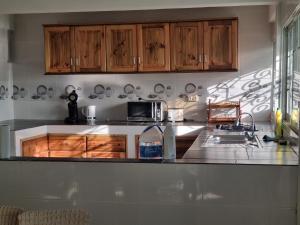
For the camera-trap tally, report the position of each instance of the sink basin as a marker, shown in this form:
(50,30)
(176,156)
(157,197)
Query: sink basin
(229,139)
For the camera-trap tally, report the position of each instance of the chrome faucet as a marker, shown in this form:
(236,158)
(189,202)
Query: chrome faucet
(238,122)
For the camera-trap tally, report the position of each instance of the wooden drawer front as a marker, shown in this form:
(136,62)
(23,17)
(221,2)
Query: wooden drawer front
(67,154)
(67,143)
(118,155)
(37,147)
(106,143)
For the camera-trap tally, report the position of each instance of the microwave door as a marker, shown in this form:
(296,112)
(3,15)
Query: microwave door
(140,111)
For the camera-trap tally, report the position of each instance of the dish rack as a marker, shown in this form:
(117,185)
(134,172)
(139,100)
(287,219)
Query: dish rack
(223,112)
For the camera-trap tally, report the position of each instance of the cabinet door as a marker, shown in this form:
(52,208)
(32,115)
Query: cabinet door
(90,49)
(187,46)
(183,143)
(58,49)
(220,45)
(154,47)
(121,48)
(106,143)
(62,142)
(35,147)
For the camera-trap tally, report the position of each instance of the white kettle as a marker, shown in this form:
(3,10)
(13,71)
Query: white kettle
(89,113)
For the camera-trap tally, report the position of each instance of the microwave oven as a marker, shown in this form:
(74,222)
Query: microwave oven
(146,111)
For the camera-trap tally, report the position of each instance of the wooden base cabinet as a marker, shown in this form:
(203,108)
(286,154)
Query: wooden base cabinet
(106,146)
(62,145)
(35,147)
(76,146)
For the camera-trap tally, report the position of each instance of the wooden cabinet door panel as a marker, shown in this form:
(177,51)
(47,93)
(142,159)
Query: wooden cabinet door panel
(106,143)
(118,155)
(90,53)
(187,46)
(67,154)
(183,143)
(121,48)
(67,143)
(220,45)
(36,147)
(154,47)
(58,49)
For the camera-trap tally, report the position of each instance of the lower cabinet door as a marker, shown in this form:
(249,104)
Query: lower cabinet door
(35,147)
(106,146)
(64,142)
(183,143)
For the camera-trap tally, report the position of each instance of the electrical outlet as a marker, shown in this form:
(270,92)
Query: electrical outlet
(193,98)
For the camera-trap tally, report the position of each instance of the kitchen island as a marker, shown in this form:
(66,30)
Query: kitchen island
(201,151)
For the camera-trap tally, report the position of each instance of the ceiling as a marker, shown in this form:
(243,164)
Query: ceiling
(48,6)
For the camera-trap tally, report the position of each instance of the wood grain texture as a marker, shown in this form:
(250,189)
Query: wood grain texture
(121,48)
(90,53)
(63,142)
(97,154)
(58,49)
(186,46)
(220,45)
(106,143)
(35,147)
(67,154)
(153,47)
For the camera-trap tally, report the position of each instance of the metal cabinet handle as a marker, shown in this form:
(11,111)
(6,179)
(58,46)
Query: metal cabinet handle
(77,61)
(139,60)
(71,61)
(134,60)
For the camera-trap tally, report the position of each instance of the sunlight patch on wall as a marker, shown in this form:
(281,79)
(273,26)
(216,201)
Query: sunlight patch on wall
(253,90)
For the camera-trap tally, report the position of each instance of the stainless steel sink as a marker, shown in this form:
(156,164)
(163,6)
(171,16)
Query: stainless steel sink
(229,139)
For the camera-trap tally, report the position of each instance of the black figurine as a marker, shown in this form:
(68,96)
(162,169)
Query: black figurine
(73,109)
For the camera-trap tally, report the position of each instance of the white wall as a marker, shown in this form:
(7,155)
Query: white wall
(6,104)
(147,194)
(45,6)
(255,58)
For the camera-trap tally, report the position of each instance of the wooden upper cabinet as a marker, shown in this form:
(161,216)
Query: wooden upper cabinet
(154,47)
(221,45)
(187,46)
(58,49)
(121,48)
(90,55)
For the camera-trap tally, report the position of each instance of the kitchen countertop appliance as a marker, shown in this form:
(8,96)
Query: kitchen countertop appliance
(73,109)
(175,114)
(146,111)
